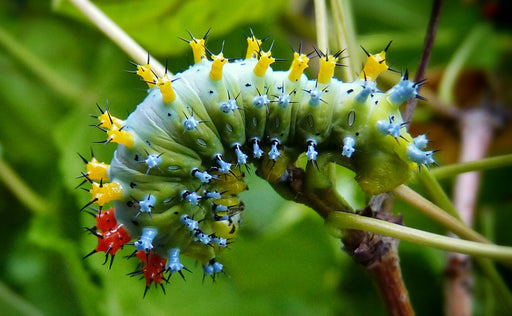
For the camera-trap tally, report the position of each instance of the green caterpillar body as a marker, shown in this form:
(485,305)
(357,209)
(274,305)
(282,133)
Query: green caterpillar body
(176,173)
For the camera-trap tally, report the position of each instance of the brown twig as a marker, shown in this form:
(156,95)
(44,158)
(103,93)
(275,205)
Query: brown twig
(378,254)
(435,16)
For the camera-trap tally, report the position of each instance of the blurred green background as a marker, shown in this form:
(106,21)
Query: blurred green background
(55,66)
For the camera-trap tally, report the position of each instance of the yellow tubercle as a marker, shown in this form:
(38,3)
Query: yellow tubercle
(227,201)
(253,47)
(299,63)
(264,62)
(109,122)
(120,136)
(97,170)
(374,66)
(230,183)
(227,227)
(198,49)
(326,71)
(217,65)
(145,72)
(164,84)
(106,192)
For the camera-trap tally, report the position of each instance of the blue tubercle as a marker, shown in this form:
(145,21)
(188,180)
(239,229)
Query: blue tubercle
(241,157)
(315,97)
(145,241)
(283,101)
(348,146)
(419,156)
(219,207)
(311,153)
(221,242)
(257,152)
(228,106)
(153,160)
(274,152)
(260,101)
(202,237)
(204,176)
(190,123)
(402,91)
(213,267)
(421,141)
(369,88)
(190,223)
(224,167)
(146,204)
(173,264)
(212,194)
(208,269)
(191,197)
(389,128)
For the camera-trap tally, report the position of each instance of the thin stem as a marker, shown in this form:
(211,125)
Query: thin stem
(14,304)
(338,221)
(477,165)
(499,287)
(435,16)
(472,41)
(437,193)
(346,35)
(22,191)
(39,68)
(428,208)
(322,36)
(118,36)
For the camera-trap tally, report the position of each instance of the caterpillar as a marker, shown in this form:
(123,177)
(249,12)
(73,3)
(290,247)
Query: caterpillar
(177,171)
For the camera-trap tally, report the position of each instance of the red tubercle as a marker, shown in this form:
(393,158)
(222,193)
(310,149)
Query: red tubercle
(106,220)
(112,240)
(153,267)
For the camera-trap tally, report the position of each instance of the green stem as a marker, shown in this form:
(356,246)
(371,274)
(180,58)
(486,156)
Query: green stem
(13,304)
(504,296)
(22,191)
(346,35)
(437,193)
(441,216)
(473,41)
(338,221)
(118,36)
(478,165)
(322,37)
(39,68)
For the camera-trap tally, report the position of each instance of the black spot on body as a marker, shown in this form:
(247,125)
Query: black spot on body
(349,91)
(132,185)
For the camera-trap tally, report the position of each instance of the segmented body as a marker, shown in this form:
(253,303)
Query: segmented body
(176,173)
